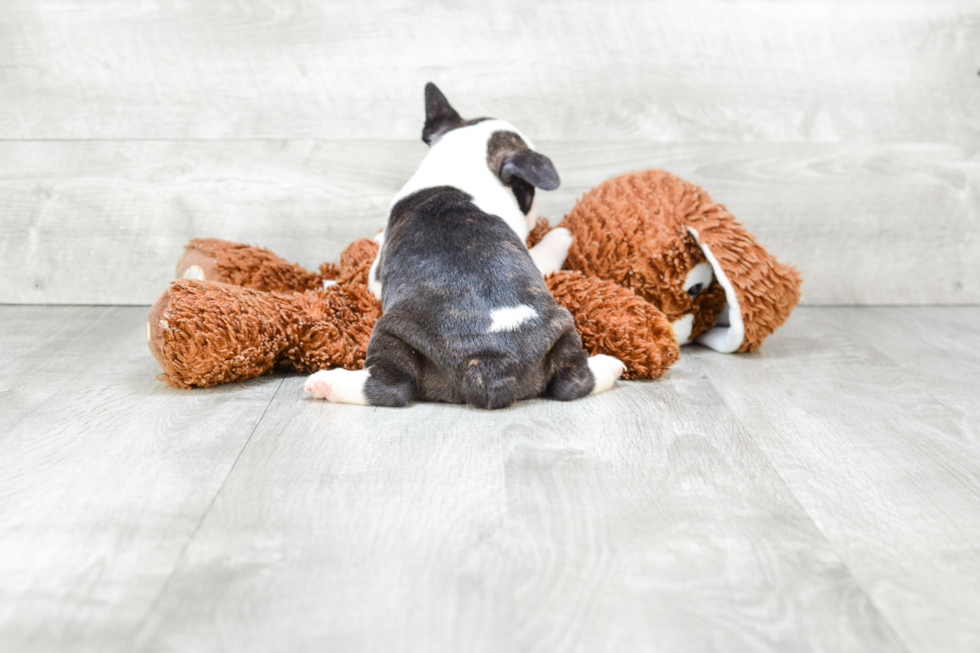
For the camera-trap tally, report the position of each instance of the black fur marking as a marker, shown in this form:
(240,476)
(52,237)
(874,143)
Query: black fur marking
(520,167)
(440,117)
(445,267)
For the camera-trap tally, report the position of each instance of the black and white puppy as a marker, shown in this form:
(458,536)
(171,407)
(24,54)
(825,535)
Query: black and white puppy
(467,317)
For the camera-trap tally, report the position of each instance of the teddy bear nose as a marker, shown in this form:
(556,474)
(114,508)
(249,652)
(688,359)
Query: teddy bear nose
(695,290)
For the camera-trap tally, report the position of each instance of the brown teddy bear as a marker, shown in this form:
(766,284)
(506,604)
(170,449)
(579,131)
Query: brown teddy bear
(240,311)
(654,262)
(664,238)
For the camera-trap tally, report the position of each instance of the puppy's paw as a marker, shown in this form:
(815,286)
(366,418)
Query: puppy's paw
(559,240)
(550,253)
(605,369)
(338,386)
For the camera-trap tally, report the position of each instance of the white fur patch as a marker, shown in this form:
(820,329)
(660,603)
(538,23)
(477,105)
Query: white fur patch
(374,284)
(605,370)
(550,253)
(459,159)
(338,386)
(683,327)
(510,317)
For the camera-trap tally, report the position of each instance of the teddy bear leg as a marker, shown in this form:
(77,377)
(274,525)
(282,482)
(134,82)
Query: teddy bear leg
(212,259)
(615,321)
(204,333)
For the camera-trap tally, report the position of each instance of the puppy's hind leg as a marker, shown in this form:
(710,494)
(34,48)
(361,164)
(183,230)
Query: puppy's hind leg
(395,369)
(575,374)
(389,378)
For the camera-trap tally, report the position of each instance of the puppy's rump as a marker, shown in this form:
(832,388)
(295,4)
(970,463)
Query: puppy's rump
(491,381)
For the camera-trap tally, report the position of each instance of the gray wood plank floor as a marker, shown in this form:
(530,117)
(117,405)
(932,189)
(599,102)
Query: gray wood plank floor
(822,494)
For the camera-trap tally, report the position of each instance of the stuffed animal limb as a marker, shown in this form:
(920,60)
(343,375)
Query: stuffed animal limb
(212,259)
(229,327)
(208,331)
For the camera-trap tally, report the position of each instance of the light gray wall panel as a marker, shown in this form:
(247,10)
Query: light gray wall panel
(627,70)
(104,222)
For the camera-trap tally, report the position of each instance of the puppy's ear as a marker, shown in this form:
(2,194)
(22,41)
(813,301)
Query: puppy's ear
(524,170)
(530,166)
(520,167)
(439,116)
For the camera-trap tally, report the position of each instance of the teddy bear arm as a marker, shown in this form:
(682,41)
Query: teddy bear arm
(613,320)
(212,259)
(333,328)
(203,333)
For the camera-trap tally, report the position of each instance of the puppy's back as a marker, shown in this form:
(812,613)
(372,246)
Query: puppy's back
(461,291)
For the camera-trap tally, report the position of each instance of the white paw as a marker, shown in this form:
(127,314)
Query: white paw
(605,370)
(338,386)
(550,253)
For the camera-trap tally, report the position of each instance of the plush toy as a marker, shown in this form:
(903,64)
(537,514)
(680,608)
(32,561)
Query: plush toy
(666,239)
(650,250)
(240,311)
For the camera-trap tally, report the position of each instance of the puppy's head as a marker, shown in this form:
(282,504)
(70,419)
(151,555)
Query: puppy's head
(488,158)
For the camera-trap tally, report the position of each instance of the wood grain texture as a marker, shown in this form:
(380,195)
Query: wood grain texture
(381,527)
(653,522)
(817,495)
(627,70)
(105,474)
(641,516)
(105,222)
(939,347)
(887,472)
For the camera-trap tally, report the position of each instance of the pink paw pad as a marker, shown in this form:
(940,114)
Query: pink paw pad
(318,389)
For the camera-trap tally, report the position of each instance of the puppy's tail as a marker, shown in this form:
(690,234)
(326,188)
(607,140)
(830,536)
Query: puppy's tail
(490,381)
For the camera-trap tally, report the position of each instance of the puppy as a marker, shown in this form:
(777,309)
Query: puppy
(467,317)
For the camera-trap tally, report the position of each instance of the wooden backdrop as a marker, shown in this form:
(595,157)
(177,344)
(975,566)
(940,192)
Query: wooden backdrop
(845,135)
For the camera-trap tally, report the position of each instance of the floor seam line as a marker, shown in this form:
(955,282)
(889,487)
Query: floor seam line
(806,513)
(183,552)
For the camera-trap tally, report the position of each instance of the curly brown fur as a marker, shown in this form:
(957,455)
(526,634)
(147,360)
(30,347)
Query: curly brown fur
(207,332)
(633,230)
(250,267)
(767,290)
(203,333)
(613,320)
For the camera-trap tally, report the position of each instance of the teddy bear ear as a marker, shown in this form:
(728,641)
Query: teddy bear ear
(760,291)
